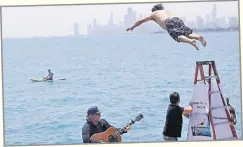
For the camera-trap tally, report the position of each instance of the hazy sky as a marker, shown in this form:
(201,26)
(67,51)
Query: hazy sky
(58,20)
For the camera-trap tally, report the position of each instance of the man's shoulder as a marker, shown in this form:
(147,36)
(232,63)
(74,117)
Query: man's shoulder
(171,108)
(86,125)
(175,107)
(103,120)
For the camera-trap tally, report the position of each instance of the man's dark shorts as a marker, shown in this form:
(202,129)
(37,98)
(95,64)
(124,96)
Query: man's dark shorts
(176,27)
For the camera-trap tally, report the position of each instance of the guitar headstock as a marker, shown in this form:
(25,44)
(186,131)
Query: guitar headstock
(138,118)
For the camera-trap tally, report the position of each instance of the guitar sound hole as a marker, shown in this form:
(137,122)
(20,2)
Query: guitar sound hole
(112,139)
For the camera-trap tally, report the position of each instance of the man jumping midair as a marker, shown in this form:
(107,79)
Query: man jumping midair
(174,26)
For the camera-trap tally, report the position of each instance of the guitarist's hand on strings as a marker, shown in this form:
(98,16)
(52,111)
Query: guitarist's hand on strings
(102,141)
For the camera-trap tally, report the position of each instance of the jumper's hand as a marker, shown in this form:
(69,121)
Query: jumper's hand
(129,29)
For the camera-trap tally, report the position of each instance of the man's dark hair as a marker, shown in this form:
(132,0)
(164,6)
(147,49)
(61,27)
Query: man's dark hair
(157,7)
(174,97)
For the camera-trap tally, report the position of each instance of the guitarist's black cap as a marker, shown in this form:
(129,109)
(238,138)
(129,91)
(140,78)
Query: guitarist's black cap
(93,110)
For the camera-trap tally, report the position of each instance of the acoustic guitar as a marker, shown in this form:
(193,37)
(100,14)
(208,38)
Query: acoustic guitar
(112,134)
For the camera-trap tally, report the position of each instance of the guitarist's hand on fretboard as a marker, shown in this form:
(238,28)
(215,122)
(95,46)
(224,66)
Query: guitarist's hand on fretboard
(128,127)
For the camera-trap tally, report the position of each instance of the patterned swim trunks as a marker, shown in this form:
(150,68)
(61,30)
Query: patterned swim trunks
(176,27)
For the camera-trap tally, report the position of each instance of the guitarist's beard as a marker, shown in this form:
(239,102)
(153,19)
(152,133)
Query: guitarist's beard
(89,119)
(96,122)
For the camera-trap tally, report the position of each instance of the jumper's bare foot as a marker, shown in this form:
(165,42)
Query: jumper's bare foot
(203,41)
(194,44)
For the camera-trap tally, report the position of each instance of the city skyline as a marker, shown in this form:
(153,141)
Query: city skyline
(60,20)
(212,21)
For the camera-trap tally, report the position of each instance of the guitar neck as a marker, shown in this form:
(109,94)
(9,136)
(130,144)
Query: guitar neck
(122,129)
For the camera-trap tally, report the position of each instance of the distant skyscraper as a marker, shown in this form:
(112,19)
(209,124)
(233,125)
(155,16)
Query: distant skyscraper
(214,13)
(233,22)
(129,18)
(222,22)
(111,20)
(199,22)
(96,27)
(207,23)
(129,10)
(76,29)
(110,25)
(89,29)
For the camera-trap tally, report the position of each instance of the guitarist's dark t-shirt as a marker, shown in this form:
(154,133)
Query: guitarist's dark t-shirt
(99,128)
(173,123)
(90,129)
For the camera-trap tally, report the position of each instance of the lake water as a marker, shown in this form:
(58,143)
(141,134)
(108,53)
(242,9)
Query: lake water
(122,75)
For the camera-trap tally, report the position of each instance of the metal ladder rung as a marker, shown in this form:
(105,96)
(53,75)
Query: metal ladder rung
(209,77)
(200,80)
(212,92)
(218,107)
(205,62)
(220,123)
(219,118)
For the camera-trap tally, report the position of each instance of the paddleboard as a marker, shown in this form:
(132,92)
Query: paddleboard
(41,80)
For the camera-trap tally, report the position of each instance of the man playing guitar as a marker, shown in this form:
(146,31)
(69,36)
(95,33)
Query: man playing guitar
(96,125)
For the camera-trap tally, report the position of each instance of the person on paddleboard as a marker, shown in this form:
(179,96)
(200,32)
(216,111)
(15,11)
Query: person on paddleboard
(232,112)
(50,75)
(173,124)
(173,25)
(94,124)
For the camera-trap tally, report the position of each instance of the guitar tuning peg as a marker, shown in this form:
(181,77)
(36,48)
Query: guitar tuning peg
(132,121)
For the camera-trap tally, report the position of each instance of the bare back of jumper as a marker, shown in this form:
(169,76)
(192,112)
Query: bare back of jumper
(176,27)
(160,16)
(172,24)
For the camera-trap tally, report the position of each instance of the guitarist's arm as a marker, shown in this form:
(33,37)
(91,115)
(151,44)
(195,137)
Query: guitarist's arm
(86,135)
(109,125)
